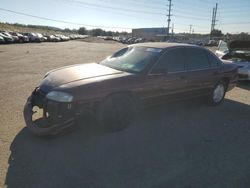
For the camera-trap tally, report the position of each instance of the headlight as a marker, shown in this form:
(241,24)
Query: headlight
(59,96)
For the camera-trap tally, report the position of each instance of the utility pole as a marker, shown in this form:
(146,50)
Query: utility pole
(190,28)
(215,14)
(169,15)
(212,24)
(172,30)
(214,20)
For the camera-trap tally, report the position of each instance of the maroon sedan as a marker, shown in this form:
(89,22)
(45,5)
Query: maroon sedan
(137,75)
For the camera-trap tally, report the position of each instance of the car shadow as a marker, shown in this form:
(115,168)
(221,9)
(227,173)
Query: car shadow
(244,85)
(184,144)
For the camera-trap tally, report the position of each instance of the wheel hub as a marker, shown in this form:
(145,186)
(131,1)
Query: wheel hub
(218,93)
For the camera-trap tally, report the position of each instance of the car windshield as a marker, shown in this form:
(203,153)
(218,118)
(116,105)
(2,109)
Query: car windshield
(132,59)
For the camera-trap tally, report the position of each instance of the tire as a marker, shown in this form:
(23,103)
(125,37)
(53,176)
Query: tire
(116,112)
(218,93)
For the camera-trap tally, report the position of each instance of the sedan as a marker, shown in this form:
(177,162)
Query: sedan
(139,75)
(21,38)
(15,38)
(2,41)
(32,37)
(7,38)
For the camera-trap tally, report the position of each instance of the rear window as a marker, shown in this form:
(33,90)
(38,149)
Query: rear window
(214,62)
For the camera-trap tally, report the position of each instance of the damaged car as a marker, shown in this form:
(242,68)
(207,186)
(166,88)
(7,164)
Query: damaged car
(237,52)
(136,76)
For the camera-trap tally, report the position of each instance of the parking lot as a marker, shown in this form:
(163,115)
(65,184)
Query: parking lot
(183,144)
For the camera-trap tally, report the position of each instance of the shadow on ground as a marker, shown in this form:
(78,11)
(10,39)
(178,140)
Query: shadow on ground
(186,144)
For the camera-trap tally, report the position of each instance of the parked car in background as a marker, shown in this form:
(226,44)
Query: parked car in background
(72,37)
(50,38)
(108,38)
(21,38)
(138,40)
(135,76)
(212,43)
(57,39)
(7,38)
(237,52)
(2,41)
(41,37)
(15,38)
(62,37)
(32,37)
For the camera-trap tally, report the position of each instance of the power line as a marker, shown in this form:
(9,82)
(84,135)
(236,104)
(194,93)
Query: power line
(60,21)
(130,10)
(236,23)
(118,8)
(190,17)
(136,3)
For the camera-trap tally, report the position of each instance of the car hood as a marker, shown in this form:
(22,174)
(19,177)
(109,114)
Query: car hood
(239,45)
(75,73)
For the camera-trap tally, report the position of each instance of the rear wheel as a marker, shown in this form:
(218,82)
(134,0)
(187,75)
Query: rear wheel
(218,93)
(116,112)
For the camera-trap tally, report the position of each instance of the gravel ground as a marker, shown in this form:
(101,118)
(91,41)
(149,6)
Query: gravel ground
(183,144)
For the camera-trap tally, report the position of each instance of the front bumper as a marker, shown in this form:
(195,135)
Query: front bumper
(46,125)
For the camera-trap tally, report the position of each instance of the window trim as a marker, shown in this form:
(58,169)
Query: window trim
(206,51)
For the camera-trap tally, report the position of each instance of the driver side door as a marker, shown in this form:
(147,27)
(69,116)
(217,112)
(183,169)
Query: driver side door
(171,67)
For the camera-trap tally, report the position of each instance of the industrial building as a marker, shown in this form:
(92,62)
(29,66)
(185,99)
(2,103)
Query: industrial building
(150,34)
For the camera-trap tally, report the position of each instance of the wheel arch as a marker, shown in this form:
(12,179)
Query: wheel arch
(131,94)
(226,80)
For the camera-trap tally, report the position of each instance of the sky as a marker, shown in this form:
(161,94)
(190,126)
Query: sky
(123,15)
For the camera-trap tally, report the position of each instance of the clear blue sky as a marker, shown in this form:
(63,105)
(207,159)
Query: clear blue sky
(233,16)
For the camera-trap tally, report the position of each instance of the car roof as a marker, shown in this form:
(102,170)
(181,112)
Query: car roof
(162,45)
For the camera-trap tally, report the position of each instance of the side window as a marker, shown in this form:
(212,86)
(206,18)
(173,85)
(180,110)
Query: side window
(214,62)
(196,59)
(171,61)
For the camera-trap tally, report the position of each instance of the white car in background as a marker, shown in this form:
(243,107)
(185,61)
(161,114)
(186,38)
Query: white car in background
(237,52)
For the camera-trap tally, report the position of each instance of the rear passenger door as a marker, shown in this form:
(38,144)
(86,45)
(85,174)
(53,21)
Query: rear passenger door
(200,76)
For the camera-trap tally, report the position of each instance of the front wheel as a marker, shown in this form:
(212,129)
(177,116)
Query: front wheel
(218,93)
(116,112)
